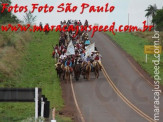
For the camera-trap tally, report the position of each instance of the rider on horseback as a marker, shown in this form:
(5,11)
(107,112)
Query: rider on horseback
(56,49)
(85,62)
(98,59)
(86,23)
(87,42)
(69,64)
(92,60)
(62,56)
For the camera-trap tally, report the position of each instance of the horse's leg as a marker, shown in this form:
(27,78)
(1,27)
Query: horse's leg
(97,74)
(62,76)
(65,78)
(74,74)
(69,77)
(88,76)
(75,77)
(84,76)
(78,76)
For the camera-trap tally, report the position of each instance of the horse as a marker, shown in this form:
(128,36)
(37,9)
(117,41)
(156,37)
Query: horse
(77,71)
(96,66)
(63,71)
(86,70)
(59,70)
(67,73)
(83,65)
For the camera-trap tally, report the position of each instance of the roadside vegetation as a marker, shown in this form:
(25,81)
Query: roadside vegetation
(26,62)
(12,46)
(133,44)
(157,16)
(6,17)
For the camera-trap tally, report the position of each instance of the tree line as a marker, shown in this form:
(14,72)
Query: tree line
(8,17)
(157,16)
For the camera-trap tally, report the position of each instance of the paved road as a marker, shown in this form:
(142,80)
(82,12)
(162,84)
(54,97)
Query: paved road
(97,99)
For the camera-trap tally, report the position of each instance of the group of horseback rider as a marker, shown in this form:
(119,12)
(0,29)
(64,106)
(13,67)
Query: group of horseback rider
(78,62)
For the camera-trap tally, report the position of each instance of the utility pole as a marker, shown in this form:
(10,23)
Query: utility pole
(128,19)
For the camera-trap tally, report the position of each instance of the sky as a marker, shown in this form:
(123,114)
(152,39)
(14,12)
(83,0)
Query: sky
(124,9)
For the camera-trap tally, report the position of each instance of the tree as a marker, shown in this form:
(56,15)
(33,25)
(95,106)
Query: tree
(7,17)
(151,11)
(4,1)
(29,18)
(158,19)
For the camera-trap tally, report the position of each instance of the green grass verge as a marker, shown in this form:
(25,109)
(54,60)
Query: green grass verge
(37,70)
(134,46)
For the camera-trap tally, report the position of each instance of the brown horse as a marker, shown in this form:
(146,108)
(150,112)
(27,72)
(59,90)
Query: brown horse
(63,72)
(77,71)
(86,70)
(67,73)
(59,70)
(96,66)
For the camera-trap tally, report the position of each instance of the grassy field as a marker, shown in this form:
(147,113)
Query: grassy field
(148,36)
(12,47)
(133,44)
(36,69)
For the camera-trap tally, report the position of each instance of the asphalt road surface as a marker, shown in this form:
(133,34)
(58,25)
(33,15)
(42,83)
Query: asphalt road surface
(129,99)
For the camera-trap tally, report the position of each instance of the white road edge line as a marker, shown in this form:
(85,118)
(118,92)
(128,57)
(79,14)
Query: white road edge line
(126,101)
(75,100)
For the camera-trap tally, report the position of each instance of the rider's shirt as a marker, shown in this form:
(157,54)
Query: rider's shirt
(68,63)
(87,42)
(56,48)
(82,56)
(77,45)
(88,59)
(97,57)
(63,56)
(62,47)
